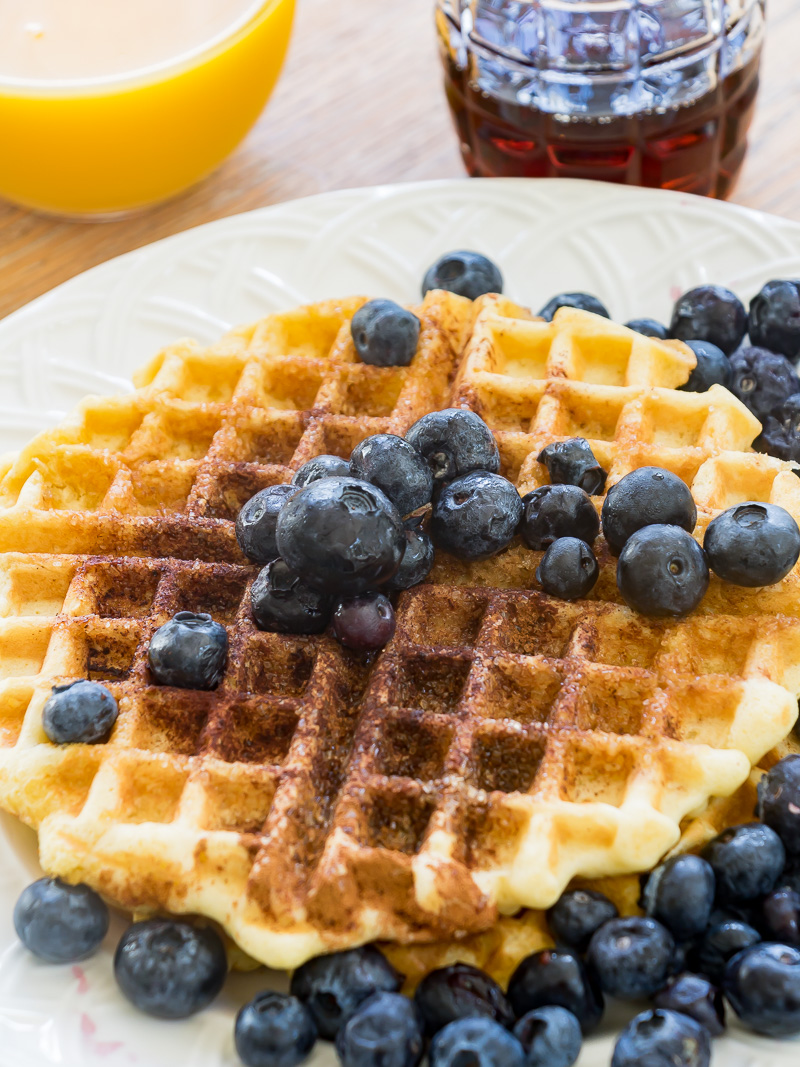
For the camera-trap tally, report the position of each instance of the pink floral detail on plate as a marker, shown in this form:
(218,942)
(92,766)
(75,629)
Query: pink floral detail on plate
(674,292)
(79,975)
(99,1048)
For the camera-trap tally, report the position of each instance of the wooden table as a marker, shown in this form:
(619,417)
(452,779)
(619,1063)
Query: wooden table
(360,103)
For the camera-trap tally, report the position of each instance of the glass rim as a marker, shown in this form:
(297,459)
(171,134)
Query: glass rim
(138,75)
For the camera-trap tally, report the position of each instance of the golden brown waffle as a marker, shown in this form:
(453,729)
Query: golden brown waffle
(502,744)
(163,471)
(500,950)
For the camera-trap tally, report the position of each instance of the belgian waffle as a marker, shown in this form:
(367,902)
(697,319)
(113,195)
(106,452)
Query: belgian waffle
(501,745)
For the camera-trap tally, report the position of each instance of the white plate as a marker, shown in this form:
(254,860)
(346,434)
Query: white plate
(636,249)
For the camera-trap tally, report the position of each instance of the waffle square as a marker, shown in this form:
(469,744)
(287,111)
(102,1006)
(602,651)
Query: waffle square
(501,745)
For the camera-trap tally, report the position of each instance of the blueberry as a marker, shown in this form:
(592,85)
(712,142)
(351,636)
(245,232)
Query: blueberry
(320,467)
(554,976)
(550,1036)
(364,623)
(342,535)
(649,496)
(334,986)
(476,516)
(283,603)
(467,274)
(631,956)
(581,301)
(475,1042)
(417,561)
(720,942)
(780,916)
(775,317)
(385,334)
(190,652)
(649,328)
(662,1038)
(779,802)
(274,1030)
(762,380)
(454,442)
(257,521)
(693,995)
(80,712)
(748,861)
(577,914)
(457,991)
(662,572)
(712,368)
(780,434)
(60,923)
(568,569)
(384,1031)
(762,985)
(710,313)
(554,511)
(752,544)
(572,462)
(395,467)
(170,968)
(680,894)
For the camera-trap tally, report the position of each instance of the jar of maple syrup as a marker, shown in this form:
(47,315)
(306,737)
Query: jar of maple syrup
(640,92)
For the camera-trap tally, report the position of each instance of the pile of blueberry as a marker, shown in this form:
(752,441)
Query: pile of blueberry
(345,534)
(337,544)
(720,926)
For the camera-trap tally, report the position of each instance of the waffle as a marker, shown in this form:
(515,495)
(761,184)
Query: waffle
(502,744)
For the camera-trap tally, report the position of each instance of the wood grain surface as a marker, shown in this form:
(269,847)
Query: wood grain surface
(360,103)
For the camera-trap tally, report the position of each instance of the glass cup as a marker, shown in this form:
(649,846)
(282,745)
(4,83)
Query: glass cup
(640,92)
(106,146)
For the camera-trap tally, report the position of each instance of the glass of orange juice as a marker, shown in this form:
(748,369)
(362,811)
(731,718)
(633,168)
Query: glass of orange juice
(108,106)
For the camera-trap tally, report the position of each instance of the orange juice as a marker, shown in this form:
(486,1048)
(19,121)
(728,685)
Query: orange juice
(110,105)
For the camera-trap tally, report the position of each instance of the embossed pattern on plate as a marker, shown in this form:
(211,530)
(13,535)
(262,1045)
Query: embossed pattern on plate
(636,249)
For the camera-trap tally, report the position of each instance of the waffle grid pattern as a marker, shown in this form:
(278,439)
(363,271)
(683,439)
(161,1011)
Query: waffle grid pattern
(164,472)
(501,949)
(503,742)
(536,382)
(492,721)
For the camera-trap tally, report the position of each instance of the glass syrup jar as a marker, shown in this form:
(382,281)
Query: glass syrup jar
(640,92)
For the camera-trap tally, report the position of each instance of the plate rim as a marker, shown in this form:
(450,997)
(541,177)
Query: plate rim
(390,189)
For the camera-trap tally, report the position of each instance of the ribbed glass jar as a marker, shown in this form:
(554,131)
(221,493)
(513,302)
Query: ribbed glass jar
(640,92)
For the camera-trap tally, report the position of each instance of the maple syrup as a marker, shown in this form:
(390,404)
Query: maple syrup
(695,144)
